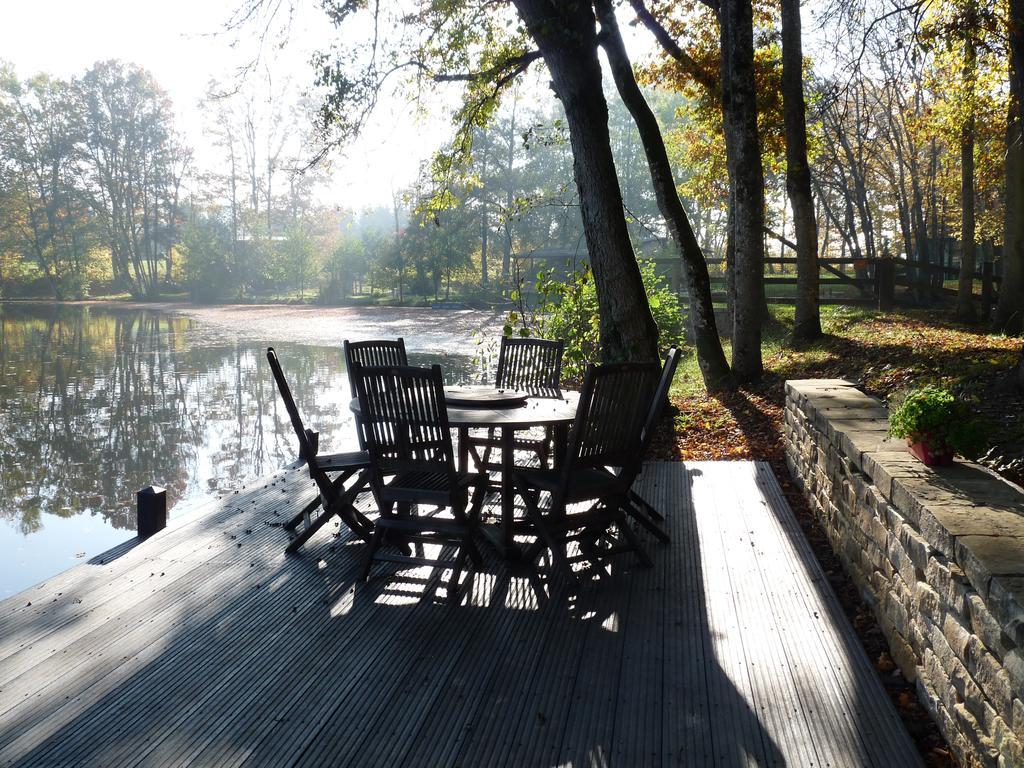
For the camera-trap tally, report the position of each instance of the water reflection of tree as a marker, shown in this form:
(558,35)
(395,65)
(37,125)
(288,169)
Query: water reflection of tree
(95,404)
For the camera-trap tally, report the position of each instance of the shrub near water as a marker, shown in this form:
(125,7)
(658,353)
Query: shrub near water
(566,308)
(934,415)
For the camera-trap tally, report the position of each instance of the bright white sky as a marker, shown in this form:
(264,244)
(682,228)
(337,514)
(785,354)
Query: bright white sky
(177,43)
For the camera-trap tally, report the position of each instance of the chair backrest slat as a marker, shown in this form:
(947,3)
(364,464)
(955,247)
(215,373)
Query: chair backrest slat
(534,365)
(307,438)
(668,372)
(404,419)
(613,406)
(306,450)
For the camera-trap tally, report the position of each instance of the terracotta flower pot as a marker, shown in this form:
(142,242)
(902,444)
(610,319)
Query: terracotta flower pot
(929,454)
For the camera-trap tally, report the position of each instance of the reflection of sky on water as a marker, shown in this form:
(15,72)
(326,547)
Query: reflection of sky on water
(96,403)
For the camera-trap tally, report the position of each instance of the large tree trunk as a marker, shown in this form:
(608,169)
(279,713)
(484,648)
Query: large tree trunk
(567,39)
(746,180)
(807,323)
(965,287)
(710,357)
(1009,310)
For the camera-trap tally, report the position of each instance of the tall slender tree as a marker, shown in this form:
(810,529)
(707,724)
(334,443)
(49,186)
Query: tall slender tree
(807,321)
(746,184)
(710,356)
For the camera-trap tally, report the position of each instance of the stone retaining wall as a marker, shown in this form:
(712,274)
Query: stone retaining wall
(938,554)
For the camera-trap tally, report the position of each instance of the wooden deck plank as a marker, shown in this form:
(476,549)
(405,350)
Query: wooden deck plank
(739,736)
(731,650)
(687,716)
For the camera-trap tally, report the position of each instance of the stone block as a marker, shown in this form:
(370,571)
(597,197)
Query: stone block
(901,561)
(915,546)
(983,557)
(1006,603)
(1017,718)
(977,482)
(917,638)
(926,601)
(896,613)
(990,676)
(938,682)
(878,584)
(868,424)
(854,443)
(985,626)
(956,634)
(951,663)
(981,746)
(904,656)
(1003,738)
(949,580)
(1013,663)
(875,531)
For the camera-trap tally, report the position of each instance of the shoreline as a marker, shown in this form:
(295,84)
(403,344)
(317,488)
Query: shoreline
(425,329)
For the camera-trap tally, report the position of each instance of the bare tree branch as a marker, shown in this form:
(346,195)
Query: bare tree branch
(513,64)
(672,48)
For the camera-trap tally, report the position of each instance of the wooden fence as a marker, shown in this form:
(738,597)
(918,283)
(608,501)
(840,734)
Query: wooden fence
(867,282)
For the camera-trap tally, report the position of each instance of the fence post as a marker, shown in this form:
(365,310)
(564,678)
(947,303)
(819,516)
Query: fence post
(986,290)
(885,282)
(151,510)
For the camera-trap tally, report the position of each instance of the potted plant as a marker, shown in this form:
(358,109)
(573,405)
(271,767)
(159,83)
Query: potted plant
(936,425)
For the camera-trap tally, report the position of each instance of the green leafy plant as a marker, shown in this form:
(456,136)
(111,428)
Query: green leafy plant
(935,416)
(565,307)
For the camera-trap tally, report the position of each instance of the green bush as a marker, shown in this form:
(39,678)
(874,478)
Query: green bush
(566,308)
(936,416)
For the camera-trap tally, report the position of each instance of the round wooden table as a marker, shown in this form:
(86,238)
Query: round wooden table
(556,409)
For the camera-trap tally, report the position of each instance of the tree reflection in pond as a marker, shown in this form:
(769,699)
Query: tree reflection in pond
(96,403)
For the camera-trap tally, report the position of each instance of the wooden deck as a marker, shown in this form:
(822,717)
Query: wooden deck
(205,645)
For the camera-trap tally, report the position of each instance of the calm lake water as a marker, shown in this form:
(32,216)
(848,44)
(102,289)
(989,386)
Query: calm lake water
(98,401)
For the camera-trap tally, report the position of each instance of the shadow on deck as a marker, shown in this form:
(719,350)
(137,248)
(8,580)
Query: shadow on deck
(206,645)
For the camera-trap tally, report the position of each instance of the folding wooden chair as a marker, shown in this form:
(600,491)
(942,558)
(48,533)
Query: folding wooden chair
(606,436)
(531,365)
(412,463)
(333,497)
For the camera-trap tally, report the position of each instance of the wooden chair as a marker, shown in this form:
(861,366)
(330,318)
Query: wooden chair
(333,498)
(608,433)
(412,463)
(534,365)
(375,352)
(531,365)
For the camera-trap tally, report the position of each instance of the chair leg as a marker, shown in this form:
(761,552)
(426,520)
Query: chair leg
(293,522)
(453,582)
(633,541)
(659,533)
(474,552)
(642,504)
(557,553)
(371,549)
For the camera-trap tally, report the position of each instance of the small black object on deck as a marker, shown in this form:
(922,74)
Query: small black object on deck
(151,506)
